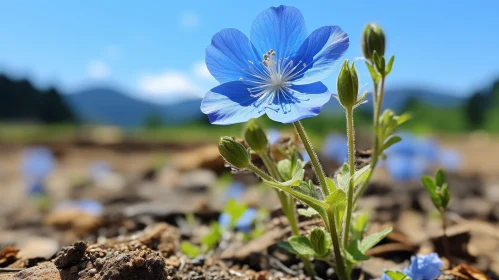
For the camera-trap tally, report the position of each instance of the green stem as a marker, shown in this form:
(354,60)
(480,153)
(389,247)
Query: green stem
(351,162)
(375,154)
(445,239)
(271,167)
(288,206)
(313,156)
(338,258)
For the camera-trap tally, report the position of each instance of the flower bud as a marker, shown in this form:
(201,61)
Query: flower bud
(255,137)
(234,152)
(373,40)
(348,85)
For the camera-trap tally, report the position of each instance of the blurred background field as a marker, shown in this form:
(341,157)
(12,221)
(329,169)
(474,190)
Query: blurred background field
(99,110)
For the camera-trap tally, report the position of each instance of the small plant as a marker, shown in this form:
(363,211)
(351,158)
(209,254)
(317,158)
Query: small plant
(278,73)
(235,215)
(439,193)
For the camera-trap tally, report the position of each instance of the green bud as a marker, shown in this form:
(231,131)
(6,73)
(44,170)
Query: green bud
(348,85)
(373,40)
(255,137)
(234,152)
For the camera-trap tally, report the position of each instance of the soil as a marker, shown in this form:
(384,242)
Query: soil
(138,233)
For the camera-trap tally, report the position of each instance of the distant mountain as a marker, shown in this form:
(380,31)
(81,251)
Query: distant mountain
(397,98)
(109,106)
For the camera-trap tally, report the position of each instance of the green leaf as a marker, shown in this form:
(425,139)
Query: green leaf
(389,65)
(430,186)
(369,241)
(354,254)
(359,225)
(440,178)
(210,240)
(308,212)
(379,63)
(235,211)
(321,242)
(189,249)
(428,182)
(343,177)
(285,170)
(403,118)
(330,184)
(361,175)
(308,188)
(374,75)
(337,201)
(299,245)
(392,140)
(444,196)
(397,275)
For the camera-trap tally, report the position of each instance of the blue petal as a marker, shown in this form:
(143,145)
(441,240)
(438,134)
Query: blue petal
(319,52)
(230,103)
(279,28)
(228,56)
(306,102)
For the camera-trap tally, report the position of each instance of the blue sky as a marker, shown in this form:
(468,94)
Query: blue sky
(155,49)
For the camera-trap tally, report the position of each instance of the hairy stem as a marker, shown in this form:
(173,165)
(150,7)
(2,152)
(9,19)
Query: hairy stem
(351,163)
(288,206)
(375,155)
(338,258)
(313,156)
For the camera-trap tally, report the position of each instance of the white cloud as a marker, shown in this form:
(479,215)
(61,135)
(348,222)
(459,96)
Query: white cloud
(189,19)
(169,85)
(98,69)
(201,71)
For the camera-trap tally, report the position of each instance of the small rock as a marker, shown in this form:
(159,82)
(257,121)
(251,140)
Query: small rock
(43,271)
(71,255)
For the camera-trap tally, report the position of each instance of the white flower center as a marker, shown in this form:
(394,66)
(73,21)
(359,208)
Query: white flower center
(273,80)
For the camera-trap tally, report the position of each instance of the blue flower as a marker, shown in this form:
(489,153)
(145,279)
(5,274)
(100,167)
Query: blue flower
(88,206)
(336,148)
(277,71)
(235,190)
(405,168)
(424,267)
(243,224)
(37,163)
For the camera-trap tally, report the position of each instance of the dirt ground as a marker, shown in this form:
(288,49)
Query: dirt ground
(152,187)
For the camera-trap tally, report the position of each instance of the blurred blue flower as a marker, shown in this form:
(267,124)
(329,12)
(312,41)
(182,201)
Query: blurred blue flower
(449,159)
(305,156)
(405,168)
(424,267)
(409,159)
(336,148)
(234,190)
(99,170)
(273,135)
(243,224)
(88,206)
(37,163)
(277,72)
